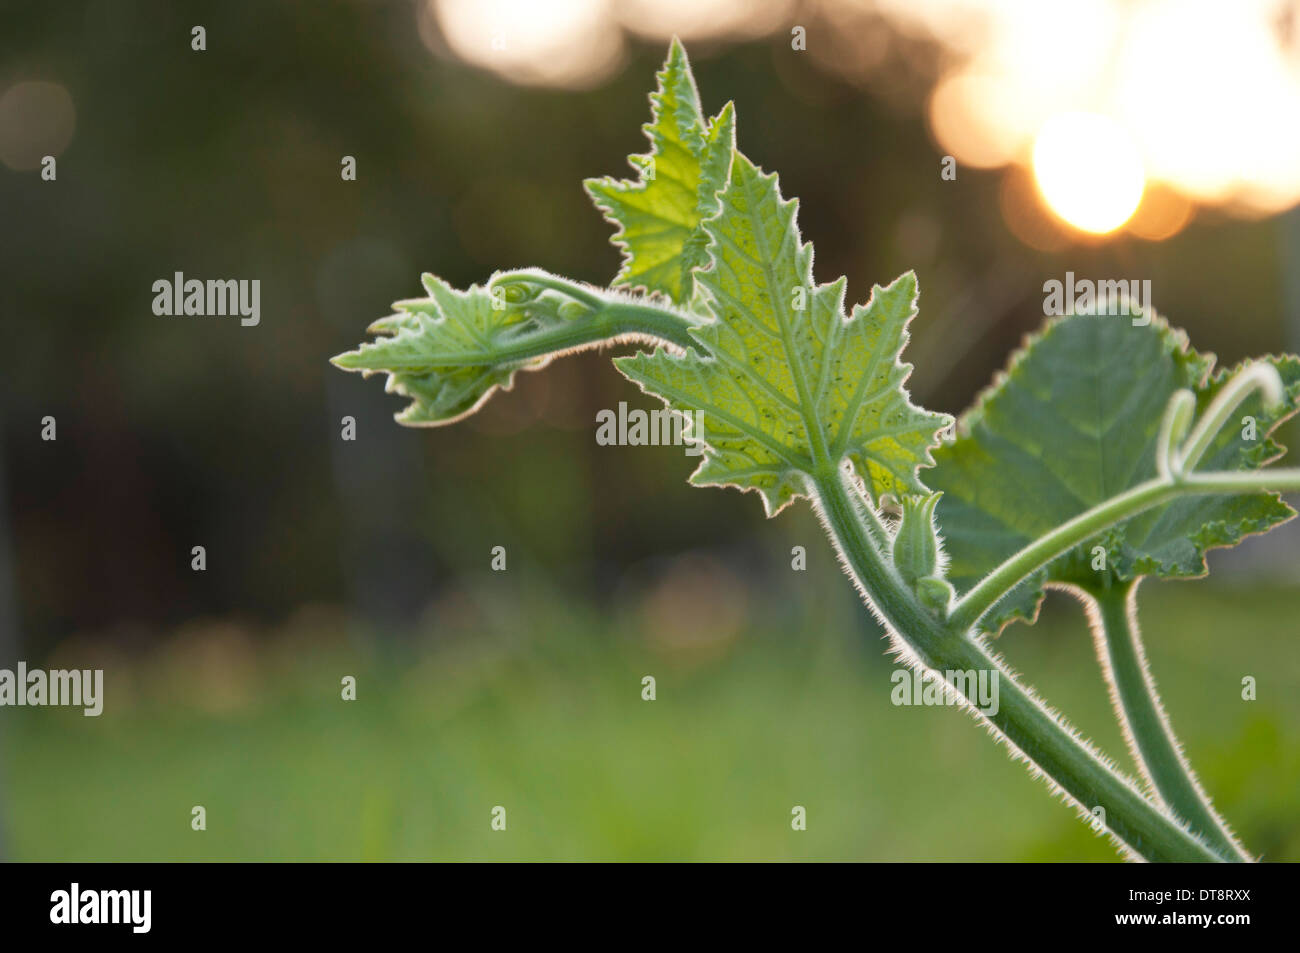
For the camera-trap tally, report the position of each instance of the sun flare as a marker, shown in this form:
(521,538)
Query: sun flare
(1089,171)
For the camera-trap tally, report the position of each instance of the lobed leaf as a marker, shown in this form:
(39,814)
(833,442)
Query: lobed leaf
(787,384)
(1074,421)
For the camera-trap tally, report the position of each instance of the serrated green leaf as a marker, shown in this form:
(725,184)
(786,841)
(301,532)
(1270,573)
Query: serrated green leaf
(1073,422)
(659,214)
(787,384)
(444,351)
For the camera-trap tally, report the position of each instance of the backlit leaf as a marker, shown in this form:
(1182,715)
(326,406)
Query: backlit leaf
(1073,422)
(786,383)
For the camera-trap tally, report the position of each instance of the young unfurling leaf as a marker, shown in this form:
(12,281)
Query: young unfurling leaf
(786,390)
(443,352)
(450,351)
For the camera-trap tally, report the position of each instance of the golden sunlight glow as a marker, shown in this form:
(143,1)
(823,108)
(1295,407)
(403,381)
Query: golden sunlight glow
(572,43)
(967,116)
(703,19)
(1089,171)
(1196,98)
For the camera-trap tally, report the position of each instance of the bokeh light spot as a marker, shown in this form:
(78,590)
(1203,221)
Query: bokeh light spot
(37,119)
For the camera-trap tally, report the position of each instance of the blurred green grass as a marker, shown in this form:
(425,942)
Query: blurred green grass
(545,718)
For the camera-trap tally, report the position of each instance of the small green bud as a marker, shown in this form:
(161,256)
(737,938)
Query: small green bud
(521,293)
(573,310)
(936,594)
(916,544)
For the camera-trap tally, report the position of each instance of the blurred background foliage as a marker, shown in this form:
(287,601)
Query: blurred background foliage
(328,558)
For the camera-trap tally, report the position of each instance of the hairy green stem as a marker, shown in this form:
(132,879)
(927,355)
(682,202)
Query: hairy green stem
(1146,726)
(609,324)
(1048,743)
(611,317)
